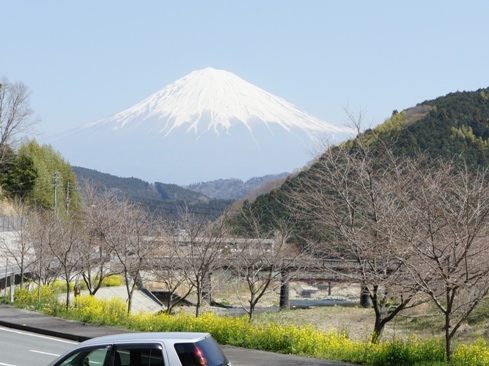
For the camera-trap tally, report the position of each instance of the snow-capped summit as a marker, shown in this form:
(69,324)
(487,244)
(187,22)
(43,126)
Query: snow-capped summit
(228,99)
(208,125)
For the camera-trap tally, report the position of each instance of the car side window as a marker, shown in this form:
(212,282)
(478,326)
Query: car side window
(206,351)
(138,356)
(86,357)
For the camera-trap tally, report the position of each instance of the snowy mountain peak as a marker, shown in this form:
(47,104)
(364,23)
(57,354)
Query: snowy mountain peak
(211,99)
(205,126)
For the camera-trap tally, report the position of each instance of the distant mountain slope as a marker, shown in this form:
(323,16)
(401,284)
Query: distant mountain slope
(208,125)
(448,126)
(158,197)
(234,188)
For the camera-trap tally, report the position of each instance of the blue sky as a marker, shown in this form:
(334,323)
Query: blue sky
(86,60)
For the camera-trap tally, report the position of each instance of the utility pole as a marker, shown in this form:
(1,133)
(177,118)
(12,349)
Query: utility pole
(68,200)
(55,180)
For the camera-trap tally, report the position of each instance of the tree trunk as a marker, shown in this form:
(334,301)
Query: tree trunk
(199,301)
(251,314)
(67,295)
(22,272)
(448,337)
(365,297)
(130,291)
(284,292)
(129,304)
(378,331)
(207,288)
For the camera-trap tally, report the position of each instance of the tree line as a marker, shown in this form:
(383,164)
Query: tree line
(30,172)
(110,235)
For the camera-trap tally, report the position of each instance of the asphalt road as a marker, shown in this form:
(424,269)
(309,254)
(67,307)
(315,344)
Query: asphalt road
(30,338)
(20,348)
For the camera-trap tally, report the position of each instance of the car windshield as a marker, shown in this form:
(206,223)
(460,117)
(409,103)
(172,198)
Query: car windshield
(86,357)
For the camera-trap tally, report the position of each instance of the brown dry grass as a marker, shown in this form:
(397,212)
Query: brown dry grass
(356,322)
(422,321)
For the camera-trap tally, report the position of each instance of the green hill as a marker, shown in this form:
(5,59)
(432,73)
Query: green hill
(158,197)
(448,126)
(457,123)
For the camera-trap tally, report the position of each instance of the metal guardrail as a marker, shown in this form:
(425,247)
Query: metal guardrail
(7,275)
(11,223)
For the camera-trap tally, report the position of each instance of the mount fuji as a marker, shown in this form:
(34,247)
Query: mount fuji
(208,125)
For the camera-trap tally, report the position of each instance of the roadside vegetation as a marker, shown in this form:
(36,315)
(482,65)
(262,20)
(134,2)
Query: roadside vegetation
(302,332)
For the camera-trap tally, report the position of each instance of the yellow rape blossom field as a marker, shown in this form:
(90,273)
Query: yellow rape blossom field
(301,332)
(334,333)
(284,337)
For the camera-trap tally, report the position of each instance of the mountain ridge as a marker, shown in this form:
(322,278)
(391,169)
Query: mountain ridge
(138,189)
(234,188)
(166,199)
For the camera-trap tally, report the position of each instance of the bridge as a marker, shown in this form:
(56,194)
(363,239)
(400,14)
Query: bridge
(307,270)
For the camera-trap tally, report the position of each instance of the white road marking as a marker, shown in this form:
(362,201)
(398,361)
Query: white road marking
(6,364)
(36,335)
(44,353)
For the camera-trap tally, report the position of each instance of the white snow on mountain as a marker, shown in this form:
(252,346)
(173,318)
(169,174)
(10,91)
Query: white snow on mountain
(208,125)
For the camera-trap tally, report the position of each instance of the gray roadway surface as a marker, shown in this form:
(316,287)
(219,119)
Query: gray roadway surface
(35,322)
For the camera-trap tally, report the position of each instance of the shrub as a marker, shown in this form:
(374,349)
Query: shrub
(476,354)
(88,309)
(112,281)
(406,353)
(44,297)
(58,287)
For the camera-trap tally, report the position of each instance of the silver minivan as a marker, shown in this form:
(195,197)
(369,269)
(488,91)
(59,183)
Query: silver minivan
(146,349)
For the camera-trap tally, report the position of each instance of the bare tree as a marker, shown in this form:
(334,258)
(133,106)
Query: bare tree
(15,114)
(198,252)
(128,235)
(448,236)
(97,207)
(65,246)
(261,260)
(40,232)
(349,200)
(166,267)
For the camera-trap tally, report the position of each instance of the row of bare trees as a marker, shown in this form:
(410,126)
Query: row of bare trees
(111,235)
(414,225)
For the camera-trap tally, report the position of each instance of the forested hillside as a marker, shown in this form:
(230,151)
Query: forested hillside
(457,123)
(236,188)
(158,197)
(453,125)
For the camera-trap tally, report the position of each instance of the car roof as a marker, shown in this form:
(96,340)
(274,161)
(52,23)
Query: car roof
(148,337)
